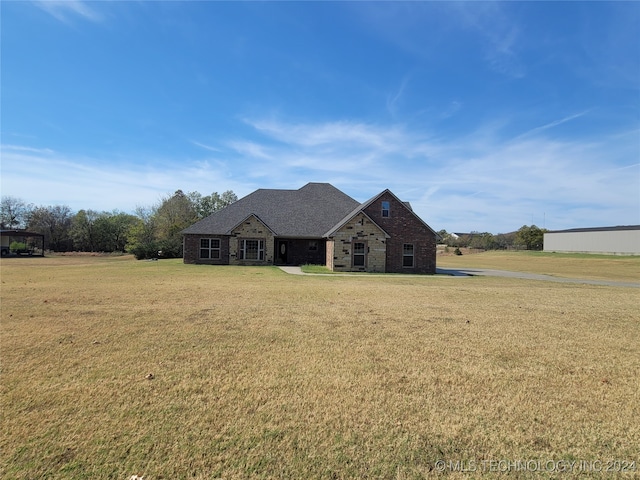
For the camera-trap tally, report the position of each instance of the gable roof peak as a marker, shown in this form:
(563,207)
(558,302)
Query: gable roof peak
(406,205)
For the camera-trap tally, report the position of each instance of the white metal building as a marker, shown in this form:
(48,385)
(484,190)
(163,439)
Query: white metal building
(623,240)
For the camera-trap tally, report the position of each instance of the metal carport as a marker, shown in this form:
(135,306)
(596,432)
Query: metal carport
(33,243)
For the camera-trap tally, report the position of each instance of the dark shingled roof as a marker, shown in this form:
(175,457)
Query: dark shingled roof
(308,212)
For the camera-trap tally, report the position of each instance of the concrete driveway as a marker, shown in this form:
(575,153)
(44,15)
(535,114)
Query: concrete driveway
(485,272)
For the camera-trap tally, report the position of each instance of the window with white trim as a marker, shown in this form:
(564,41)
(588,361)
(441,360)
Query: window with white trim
(407,255)
(251,249)
(386,209)
(359,254)
(210,248)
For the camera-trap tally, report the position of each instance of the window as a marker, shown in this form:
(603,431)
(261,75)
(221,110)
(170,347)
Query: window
(359,254)
(210,248)
(251,249)
(385,209)
(407,255)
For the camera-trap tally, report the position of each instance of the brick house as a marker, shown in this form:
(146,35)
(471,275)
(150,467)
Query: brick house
(317,224)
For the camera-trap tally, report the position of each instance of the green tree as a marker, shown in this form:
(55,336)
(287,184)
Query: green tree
(444,237)
(531,237)
(504,241)
(159,228)
(174,214)
(142,235)
(114,230)
(206,205)
(226,199)
(83,231)
(485,241)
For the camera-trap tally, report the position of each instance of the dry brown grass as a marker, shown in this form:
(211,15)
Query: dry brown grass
(584,266)
(258,374)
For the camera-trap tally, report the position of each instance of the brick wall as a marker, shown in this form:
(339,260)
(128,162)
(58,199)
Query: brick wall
(330,249)
(404,227)
(191,244)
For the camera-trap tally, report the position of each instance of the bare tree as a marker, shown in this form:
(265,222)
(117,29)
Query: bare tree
(13,213)
(54,222)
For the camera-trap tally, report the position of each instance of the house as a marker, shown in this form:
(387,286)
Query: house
(620,240)
(316,224)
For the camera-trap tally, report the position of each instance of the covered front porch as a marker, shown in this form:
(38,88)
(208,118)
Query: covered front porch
(299,251)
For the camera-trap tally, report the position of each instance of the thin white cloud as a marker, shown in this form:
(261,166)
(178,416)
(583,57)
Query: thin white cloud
(206,147)
(555,123)
(498,31)
(44,177)
(394,100)
(558,184)
(330,133)
(21,148)
(422,30)
(501,54)
(250,149)
(478,182)
(453,108)
(64,10)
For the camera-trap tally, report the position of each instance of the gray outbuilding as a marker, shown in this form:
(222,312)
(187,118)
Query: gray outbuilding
(621,240)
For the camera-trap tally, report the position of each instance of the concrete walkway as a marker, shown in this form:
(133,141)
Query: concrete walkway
(293,270)
(485,272)
(298,271)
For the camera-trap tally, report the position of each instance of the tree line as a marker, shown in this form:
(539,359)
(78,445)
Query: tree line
(157,228)
(149,231)
(527,237)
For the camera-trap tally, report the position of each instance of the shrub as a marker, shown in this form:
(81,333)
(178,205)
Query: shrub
(18,247)
(144,251)
(457,251)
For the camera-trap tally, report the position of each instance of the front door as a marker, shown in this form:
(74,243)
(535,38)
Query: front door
(283,250)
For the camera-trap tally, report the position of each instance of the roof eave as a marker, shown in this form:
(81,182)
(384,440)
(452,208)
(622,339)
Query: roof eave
(246,218)
(350,217)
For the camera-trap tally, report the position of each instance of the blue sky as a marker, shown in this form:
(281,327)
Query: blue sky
(485,116)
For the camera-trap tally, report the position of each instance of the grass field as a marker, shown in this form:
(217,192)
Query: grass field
(260,374)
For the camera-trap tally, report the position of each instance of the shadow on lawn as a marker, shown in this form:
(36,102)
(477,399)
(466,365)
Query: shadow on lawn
(453,272)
